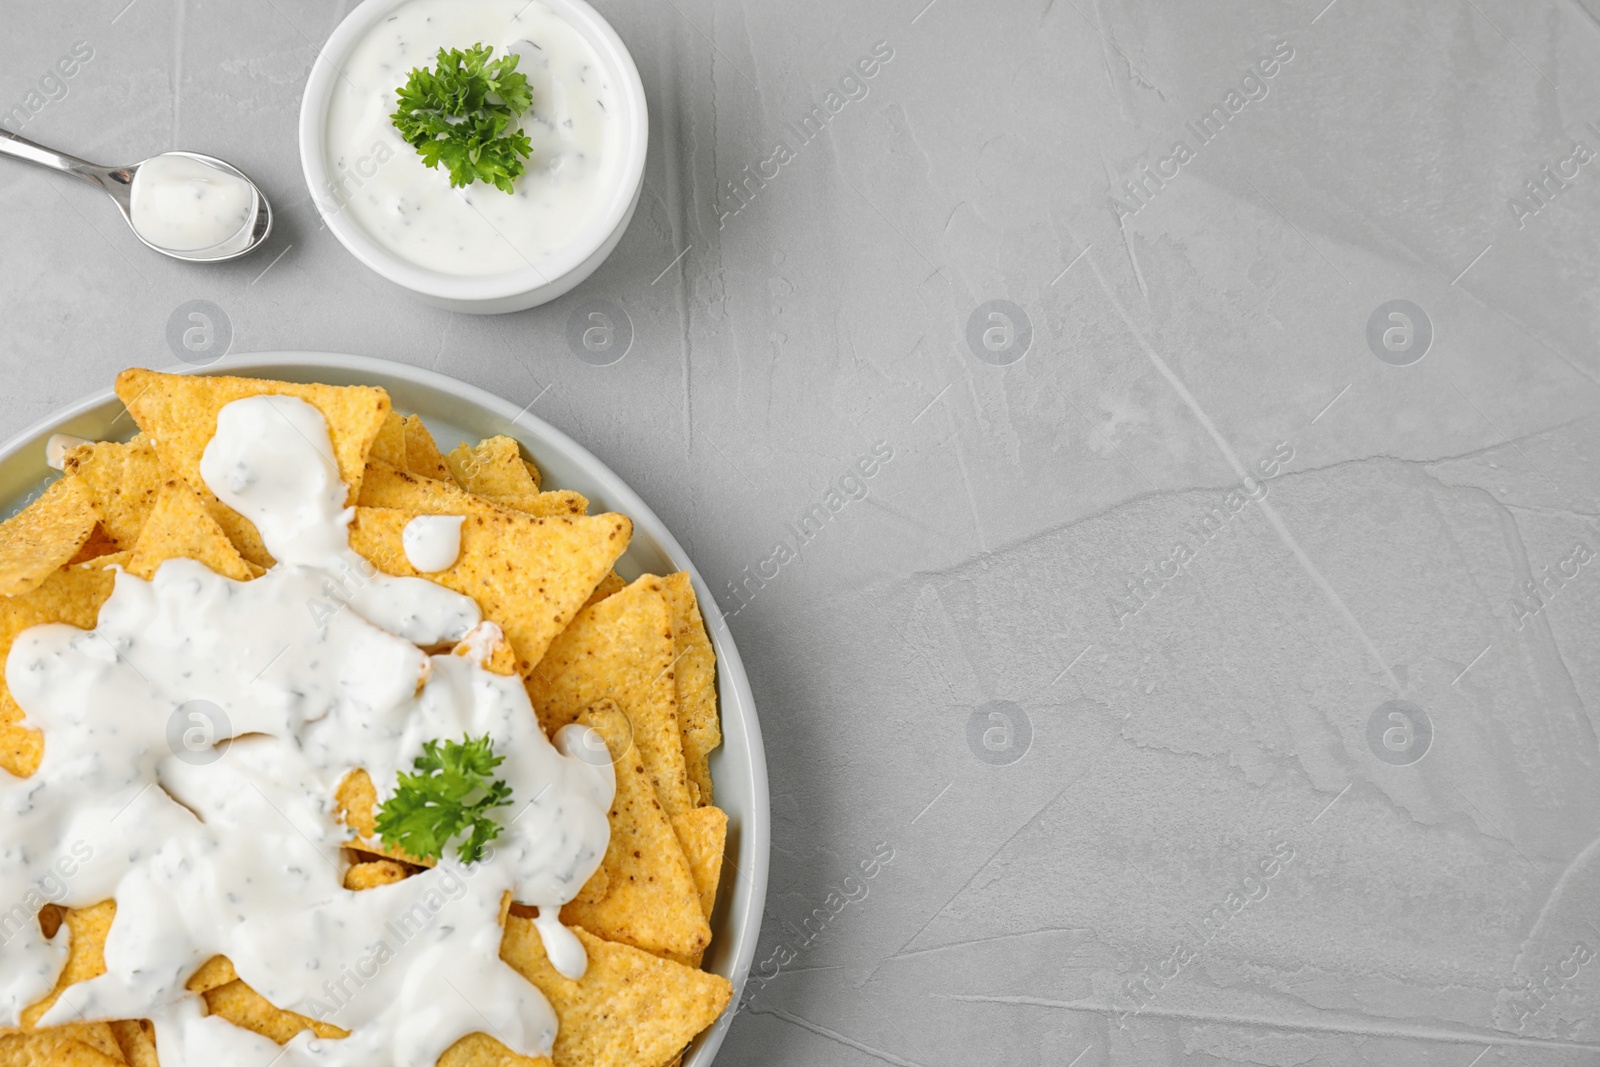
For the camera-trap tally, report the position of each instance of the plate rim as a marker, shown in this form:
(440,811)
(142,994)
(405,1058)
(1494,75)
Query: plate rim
(756,828)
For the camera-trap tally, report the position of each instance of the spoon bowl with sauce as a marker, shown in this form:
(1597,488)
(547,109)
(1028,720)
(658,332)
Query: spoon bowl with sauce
(189,206)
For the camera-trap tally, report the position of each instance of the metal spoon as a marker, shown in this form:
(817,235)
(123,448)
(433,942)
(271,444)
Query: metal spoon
(117,182)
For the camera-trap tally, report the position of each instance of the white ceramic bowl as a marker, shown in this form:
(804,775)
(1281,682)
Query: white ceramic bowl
(496,293)
(457,412)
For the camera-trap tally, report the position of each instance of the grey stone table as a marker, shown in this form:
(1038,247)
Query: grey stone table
(1207,670)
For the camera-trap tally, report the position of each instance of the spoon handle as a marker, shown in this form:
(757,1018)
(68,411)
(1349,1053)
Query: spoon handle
(49,158)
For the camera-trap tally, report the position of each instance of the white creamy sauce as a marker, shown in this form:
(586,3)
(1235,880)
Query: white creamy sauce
(412,210)
(433,542)
(193,744)
(57,447)
(187,205)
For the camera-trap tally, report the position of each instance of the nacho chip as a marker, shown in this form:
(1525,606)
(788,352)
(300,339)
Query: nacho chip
(390,444)
(180,527)
(136,1038)
(653,902)
(86,956)
(123,480)
(696,672)
(555,502)
(629,1007)
(179,413)
(529,575)
(481,1050)
(621,649)
(243,1006)
(387,486)
(493,468)
(44,536)
(375,874)
(422,453)
(216,972)
(56,1047)
(72,596)
(611,583)
(486,645)
(703,833)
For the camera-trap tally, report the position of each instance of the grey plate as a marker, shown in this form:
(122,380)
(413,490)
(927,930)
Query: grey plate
(456,412)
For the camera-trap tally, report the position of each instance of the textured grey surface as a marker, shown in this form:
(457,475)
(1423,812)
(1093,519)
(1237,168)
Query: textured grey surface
(1202,855)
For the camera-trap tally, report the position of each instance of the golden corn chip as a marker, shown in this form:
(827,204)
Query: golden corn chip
(137,1042)
(703,833)
(180,527)
(215,972)
(528,575)
(533,472)
(653,902)
(611,583)
(123,480)
(493,467)
(422,453)
(72,596)
(630,1009)
(179,413)
(243,1006)
(374,874)
(621,649)
(596,888)
(44,536)
(98,546)
(555,502)
(387,486)
(696,672)
(481,1050)
(56,1047)
(86,955)
(390,444)
(499,658)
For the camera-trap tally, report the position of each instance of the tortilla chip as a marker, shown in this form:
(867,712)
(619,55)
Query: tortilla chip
(653,902)
(629,1007)
(703,833)
(489,650)
(387,486)
(179,413)
(215,972)
(621,649)
(696,672)
(555,502)
(493,468)
(56,1047)
(422,453)
(375,874)
(86,955)
(611,583)
(136,1039)
(481,1050)
(180,527)
(123,480)
(529,575)
(72,596)
(390,444)
(45,535)
(244,1007)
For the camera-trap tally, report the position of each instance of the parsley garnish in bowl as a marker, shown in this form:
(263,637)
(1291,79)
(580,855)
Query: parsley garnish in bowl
(450,794)
(459,113)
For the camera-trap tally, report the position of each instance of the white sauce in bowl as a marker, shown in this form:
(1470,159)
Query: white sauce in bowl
(187,205)
(193,744)
(410,209)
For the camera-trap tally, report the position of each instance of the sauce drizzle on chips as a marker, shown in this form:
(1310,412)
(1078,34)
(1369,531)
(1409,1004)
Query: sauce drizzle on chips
(194,742)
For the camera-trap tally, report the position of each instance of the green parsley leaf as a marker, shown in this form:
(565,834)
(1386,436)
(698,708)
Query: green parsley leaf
(457,116)
(450,795)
